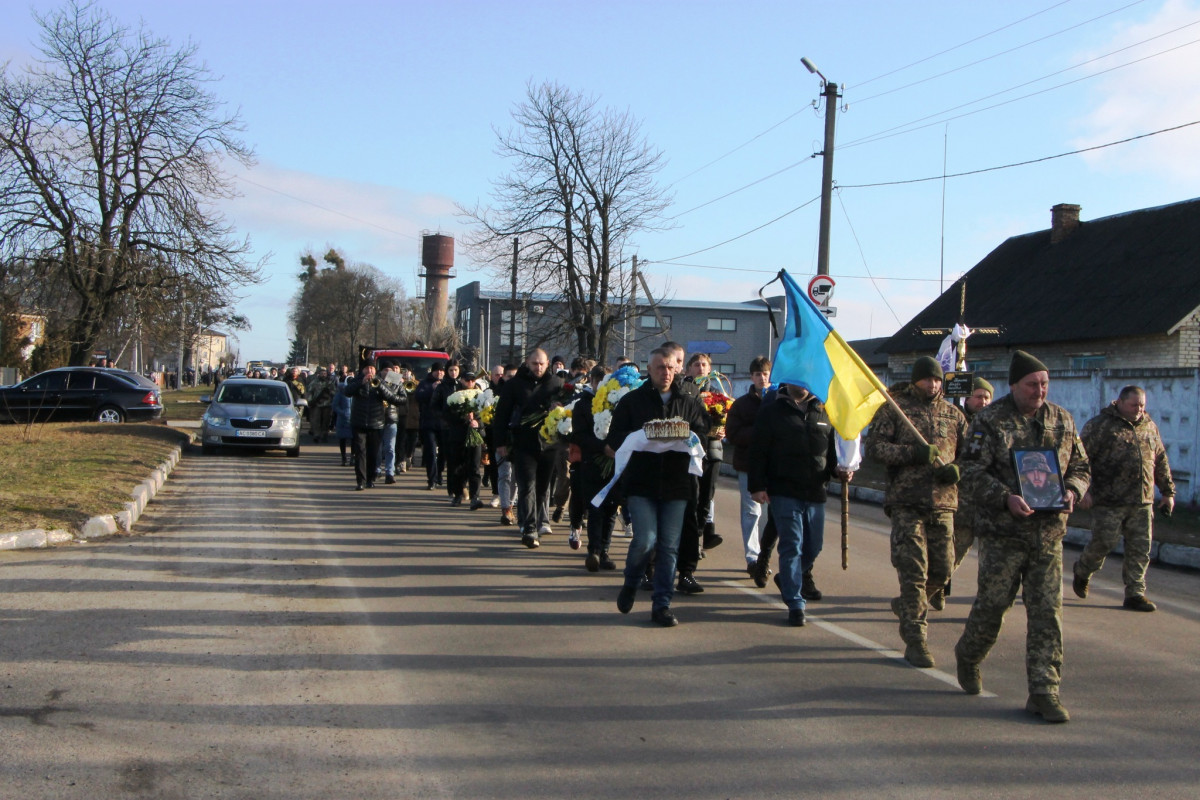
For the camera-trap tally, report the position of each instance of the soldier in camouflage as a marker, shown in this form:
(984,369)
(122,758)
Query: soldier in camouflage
(1128,460)
(1018,547)
(964,518)
(921,496)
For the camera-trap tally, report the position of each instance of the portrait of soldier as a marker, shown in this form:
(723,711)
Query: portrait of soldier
(1039,482)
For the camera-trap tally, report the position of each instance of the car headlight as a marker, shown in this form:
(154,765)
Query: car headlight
(212,419)
(287,423)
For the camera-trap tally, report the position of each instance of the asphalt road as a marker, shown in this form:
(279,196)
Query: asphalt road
(274,634)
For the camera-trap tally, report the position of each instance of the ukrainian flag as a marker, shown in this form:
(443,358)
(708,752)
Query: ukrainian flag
(813,356)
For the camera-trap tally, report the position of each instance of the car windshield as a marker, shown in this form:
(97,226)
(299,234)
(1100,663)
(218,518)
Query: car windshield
(254,394)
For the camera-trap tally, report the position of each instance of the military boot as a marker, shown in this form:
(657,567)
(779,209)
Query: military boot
(969,677)
(808,587)
(1080,583)
(918,655)
(1047,707)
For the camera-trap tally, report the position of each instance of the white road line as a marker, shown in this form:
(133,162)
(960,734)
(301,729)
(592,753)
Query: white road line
(854,638)
(1119,589)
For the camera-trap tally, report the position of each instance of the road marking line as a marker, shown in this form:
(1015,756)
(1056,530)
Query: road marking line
(854,638)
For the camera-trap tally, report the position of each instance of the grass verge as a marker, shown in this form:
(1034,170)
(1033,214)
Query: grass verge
(59,475)
(184,404)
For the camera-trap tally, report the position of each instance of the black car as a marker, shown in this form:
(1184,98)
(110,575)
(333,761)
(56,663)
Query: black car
(81,393)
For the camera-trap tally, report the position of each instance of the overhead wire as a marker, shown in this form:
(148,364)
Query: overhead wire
(862,254)
(324,208)
(747,233)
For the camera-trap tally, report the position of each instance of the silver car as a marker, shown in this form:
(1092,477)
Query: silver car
(254,413)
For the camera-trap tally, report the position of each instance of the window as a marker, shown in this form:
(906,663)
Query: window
(1088,362)
(507,329)
(464,320)
(722,324)
(724,369)
(650,322)
(978,366)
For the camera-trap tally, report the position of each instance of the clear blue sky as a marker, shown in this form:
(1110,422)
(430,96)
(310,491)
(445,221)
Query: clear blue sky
(371,120)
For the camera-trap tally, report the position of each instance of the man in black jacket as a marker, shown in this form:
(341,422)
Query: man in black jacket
(430,425)
(520,411)
(658,485)
(792,457)
(367,418)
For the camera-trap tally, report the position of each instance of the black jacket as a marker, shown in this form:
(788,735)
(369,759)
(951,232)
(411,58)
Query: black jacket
(430,419)
(739,427)
(793,452)
(661,476)
(521,398)
(367,411)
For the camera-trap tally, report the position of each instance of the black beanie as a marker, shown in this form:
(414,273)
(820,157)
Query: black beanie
(926,367)
(1022,365)
(980,383)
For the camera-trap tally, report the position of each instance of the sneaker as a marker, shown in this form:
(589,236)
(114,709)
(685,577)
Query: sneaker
(1080,585)
(456,500)
(625,599)
(1047,707)
(796,618)
(530,540)
(573,539)
(968,675)
(688,585)
(607,563)
(506,516)
(712,540)
(476,504)
(808,587)
(495,501)
(592,562)
(402,468)
(558,514)
(1139,603)
(389,479)
(663,616)
(545,530)
(918,655)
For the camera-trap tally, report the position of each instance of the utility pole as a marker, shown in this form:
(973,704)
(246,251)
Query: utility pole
(631,317)
(831,98)
(512,313)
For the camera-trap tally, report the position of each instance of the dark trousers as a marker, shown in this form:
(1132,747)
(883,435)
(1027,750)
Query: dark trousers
(462,469)
(431,455)
(366,454)
(708,490)
(533,473)
(689,540)
(409,445)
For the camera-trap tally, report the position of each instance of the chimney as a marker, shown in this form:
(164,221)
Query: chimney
(1064,219)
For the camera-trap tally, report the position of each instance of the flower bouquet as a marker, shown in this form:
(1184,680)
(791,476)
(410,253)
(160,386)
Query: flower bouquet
(717,405)
(557,425)
(465,404)
(609,393)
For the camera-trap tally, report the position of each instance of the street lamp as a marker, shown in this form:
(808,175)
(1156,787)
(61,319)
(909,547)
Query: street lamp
(831,96)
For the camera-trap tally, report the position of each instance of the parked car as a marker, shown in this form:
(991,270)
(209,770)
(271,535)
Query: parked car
(253,413)
(81,393)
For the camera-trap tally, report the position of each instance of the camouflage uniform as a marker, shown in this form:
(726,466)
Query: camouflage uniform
(1128,460)
(1019,553)
(964,519)
(921,507)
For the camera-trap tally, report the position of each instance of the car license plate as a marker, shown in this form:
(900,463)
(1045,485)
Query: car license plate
(253,434)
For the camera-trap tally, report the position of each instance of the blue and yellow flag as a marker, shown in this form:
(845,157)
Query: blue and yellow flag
(813,356)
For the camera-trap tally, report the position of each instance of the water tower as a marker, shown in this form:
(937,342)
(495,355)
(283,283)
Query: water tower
(437,268)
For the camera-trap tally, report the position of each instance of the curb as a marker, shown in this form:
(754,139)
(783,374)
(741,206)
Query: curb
(1175,555)
(99,526)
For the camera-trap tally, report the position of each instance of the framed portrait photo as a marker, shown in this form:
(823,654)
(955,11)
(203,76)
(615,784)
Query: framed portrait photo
(1040,478)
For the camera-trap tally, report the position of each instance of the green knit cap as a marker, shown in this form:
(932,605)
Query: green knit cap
(1023,364)
(980,383)
(926,367)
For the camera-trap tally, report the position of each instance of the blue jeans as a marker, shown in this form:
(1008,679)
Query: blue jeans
(753,519)
(801,529)
(657,526)
(387,449)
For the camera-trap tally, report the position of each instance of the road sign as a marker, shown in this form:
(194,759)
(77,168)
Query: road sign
(828,311)
(820,289)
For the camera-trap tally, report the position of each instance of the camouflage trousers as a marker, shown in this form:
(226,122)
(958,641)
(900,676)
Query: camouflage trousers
(1035,567)
(964,537)
(1110,523)
(922,553)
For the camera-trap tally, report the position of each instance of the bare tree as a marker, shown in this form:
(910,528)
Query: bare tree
(111,152)
(582,186)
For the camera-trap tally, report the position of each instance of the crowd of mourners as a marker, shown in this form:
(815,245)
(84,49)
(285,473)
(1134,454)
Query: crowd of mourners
(554,441)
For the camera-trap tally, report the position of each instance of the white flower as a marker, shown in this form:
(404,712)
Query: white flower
(601,423)
(615,396)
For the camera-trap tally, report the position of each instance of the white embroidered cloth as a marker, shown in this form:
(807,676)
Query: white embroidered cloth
(637,442)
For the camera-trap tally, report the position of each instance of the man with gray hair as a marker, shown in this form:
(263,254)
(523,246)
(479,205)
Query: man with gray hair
(1128,460)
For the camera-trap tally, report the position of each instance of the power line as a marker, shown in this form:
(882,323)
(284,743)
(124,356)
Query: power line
(863,256)
(964,44)
(751,140)
(747,233)
(1022,163)
(907,127)
(774,271)
(742,188)
(997,55)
